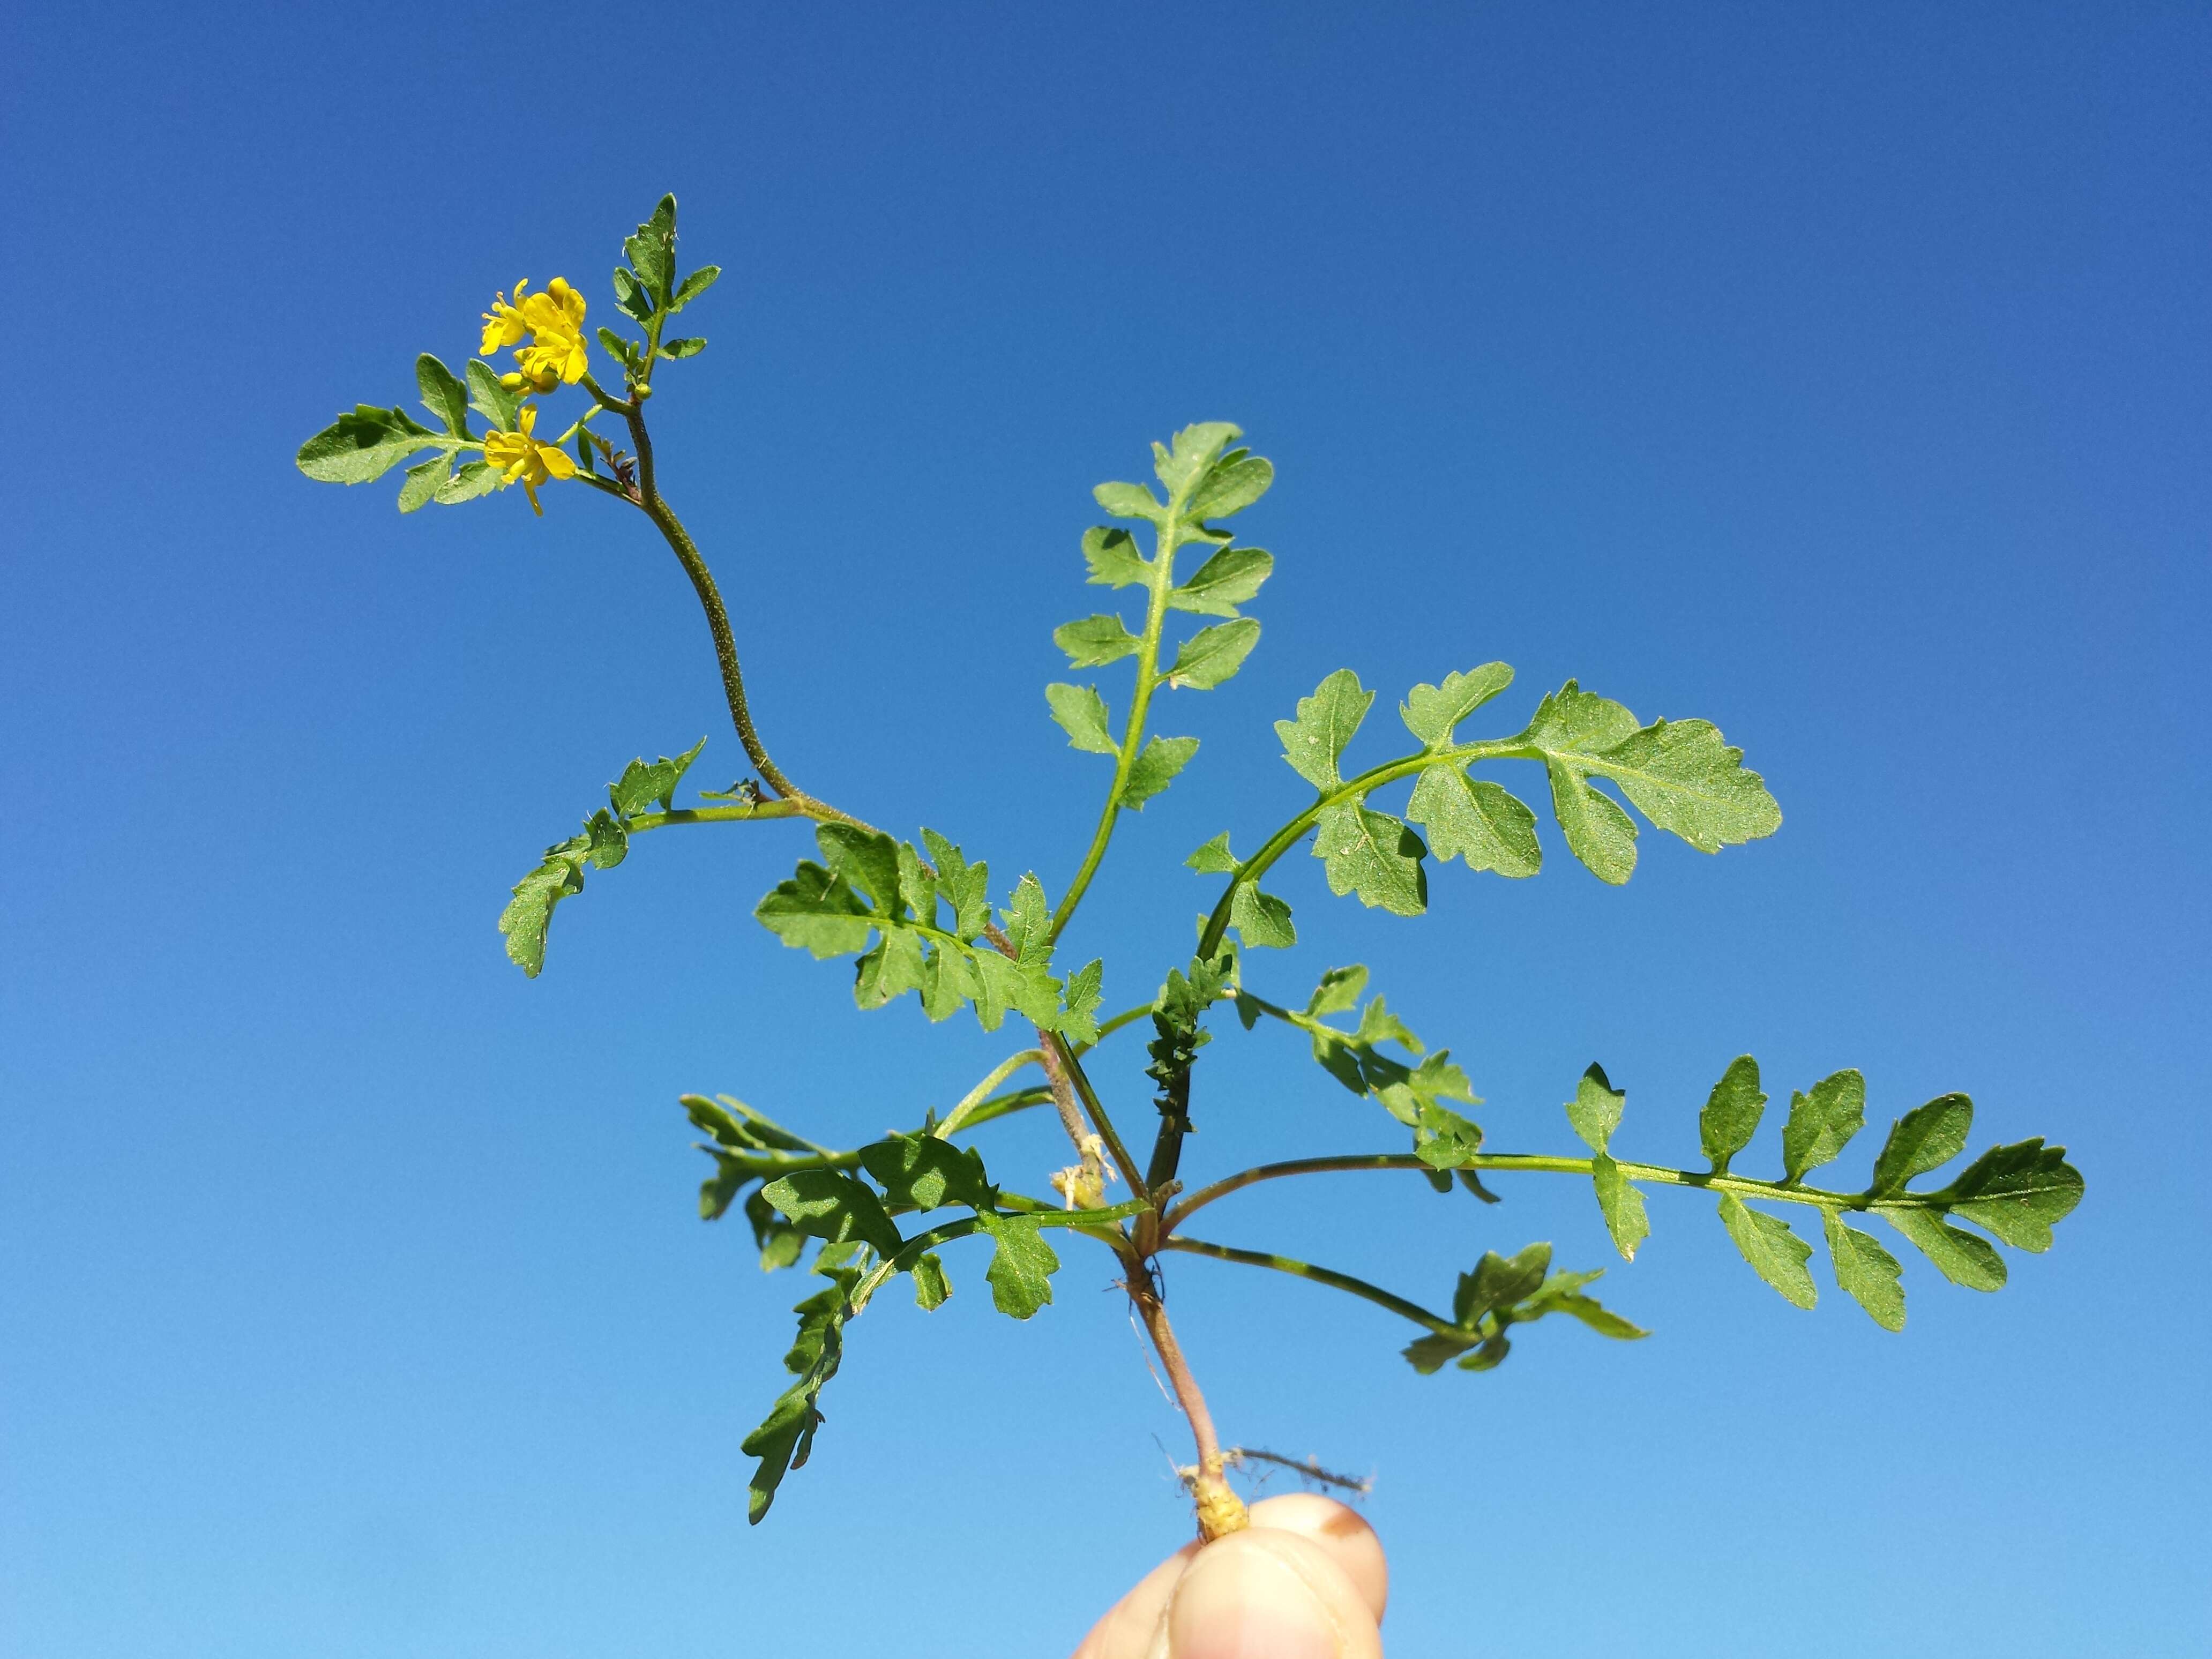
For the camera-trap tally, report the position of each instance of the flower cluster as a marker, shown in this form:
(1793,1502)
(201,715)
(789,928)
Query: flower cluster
(554,322)
(522,459)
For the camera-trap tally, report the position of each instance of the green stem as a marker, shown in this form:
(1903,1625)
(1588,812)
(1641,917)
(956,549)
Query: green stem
(1357,788)
(915,1248)
(1133,737)
(739,813)
(1328,1276)
(718,621)
(1775,1192)
(1126,1017)
(1097,1111)
(976,1098)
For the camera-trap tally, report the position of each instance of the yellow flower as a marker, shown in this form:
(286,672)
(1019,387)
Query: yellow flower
(554,322)
(521,458)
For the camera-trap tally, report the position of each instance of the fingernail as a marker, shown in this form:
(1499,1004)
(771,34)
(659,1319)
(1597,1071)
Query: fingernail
(1241,1602)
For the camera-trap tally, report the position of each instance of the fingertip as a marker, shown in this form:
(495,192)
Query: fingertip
(1269,1593)
(1342,1532)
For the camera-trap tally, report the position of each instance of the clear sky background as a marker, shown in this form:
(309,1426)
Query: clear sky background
(1837,373)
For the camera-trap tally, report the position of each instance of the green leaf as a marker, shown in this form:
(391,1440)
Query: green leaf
(629,353)
(896,964)
(474,479)
(1865,1270)
(630,294)
(932,1286)
(1231,487)
(1963,1258)
(1596,1110)
(921,1172)
(652,250)
(1775,1254)
(1195,450)
(1114,560)
(1926,1137)
(363,445)
(1339,992)
(1685,779)
(1822,1123)
(1261,919)
(1476,820)
(1213,654)
(423,483)
(1431,711)
(785,1439)
(1230,577)
(1313,742)
(2018,1192)
(1562,1293)
(1374,855)
(1621,1205)
(1443,1139)
(529,912)
(1082,714)
(693,286)
(1679,773)
(1079,1024)
(1497,1282)
(816,911)
(691,346)
(1028,923)
(965,887)
(1155,768)
(1215,859)
(1598,832)
(490,399)
(948,979)
(1128,501)
(1096,641)
(778,1242)
(1020,1274)
(1732,1112)
(866,857)
(641,786)
(445,397)
(834,1206)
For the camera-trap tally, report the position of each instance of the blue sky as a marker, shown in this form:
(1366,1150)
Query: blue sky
(1839,374)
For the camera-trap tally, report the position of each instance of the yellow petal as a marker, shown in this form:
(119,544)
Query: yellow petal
(556,461)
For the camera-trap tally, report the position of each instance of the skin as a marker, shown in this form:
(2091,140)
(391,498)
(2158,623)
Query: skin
(1306,1580)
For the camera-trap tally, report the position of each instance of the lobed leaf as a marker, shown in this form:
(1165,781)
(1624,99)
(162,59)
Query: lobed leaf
(1476,820)
(1774,1251)
(1374,855)
(1213,654)
(921,1172)
(1215,859)
(364,445)
(1022,1267)
(1261,919)
(1821,1123)
(642,786)
(1096,641)
(1128,501)
(1865,1271)
(1316,740)
(1194,451)
(1926,1137)
(1621,1205)
(835,1207)
(1081,713)
(502,408)
(1964,1258)
(446,397)
(1112,558)
(2018,1192)
(1232,485)
(1732,1112)
(1230,577)
(1155,768)
(1431,712)
(1596,1110)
